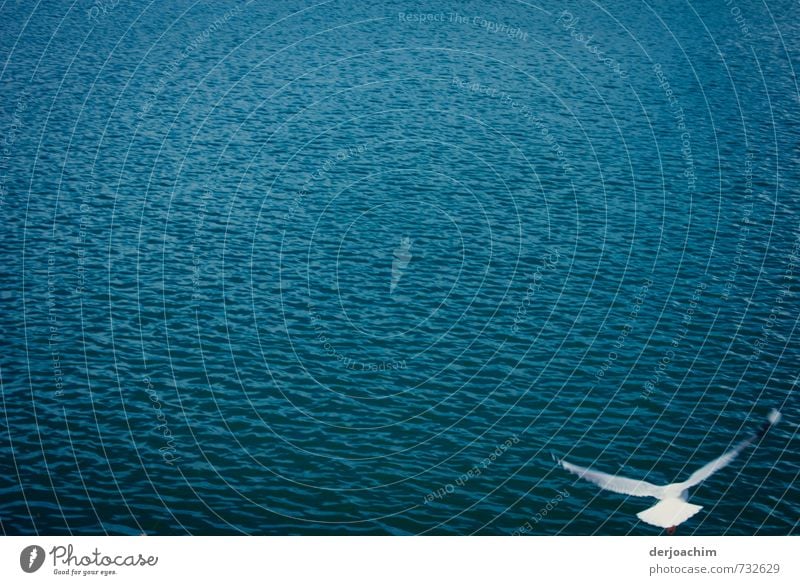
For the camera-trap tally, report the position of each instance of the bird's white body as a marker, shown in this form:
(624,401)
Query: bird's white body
(673,507)
(668,513)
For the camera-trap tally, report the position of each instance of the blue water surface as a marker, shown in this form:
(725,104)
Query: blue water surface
(361,268)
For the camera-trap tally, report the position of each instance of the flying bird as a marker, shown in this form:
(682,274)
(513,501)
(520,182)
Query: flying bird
(673,507)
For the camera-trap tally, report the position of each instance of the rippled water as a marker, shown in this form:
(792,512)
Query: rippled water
(282,267)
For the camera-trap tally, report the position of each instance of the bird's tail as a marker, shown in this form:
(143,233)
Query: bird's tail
(668,513)
(772,418)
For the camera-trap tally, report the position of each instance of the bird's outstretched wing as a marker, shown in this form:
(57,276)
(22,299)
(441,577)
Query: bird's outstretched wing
(615,483)
(713,466)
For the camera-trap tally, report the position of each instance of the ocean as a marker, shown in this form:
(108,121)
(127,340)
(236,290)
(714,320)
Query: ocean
(340,268)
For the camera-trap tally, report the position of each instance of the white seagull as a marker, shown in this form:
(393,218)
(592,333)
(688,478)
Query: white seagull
(672,508)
